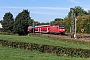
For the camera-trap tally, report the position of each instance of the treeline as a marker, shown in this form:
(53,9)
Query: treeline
(20,23)
(83,20)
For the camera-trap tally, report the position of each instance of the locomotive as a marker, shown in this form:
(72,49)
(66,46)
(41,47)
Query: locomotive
(56,29)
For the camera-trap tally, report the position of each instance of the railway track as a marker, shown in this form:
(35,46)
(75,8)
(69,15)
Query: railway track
(83,37)
(68,36)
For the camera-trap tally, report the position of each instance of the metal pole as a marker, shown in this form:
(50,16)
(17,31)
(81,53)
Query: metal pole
(33,26)
(75,28)
(72,23)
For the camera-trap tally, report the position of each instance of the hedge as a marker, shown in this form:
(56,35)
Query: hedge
(60,51)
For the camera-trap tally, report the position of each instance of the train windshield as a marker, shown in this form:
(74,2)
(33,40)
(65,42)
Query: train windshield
(61,27)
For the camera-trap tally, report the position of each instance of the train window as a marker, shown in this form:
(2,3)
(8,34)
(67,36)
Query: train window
(61,26)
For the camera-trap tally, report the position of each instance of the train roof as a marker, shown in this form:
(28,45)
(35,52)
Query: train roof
(34,26)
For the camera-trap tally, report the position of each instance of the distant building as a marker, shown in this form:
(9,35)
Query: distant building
(0,25)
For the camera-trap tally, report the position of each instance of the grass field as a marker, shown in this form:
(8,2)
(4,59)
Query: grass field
(41,40)
(18,54)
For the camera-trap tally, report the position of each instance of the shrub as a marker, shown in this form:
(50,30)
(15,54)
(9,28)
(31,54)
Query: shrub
(60,51)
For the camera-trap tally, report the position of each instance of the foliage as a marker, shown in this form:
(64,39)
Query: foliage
(0,21)
(79,11)
(30,22)
(21,22)
(57,21)
(19,54)
(40,39)
(58,50)
(6,33)
(7,22)
(44,23)
(83,20)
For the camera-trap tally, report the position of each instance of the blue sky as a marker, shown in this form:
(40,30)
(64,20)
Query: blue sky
(42,10)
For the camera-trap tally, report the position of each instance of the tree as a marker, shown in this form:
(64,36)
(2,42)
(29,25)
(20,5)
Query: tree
(88,12)
(79,14)
(43,23)
(57,21)
(21,22)
(83,22)
(0,21)
(78,10)
(7,22)
(36,23)
(30,22)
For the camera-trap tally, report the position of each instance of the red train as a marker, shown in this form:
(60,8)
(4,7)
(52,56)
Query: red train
(47,29)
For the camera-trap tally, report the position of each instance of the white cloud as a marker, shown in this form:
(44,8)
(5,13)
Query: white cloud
(37,10)
(34,11)
(74,1)
(0,25)
(47,13)
(50,8)
(86,9)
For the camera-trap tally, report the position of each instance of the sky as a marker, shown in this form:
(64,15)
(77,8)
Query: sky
(42,10)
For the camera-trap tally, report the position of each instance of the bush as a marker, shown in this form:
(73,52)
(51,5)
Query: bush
(60,51)
(6,33)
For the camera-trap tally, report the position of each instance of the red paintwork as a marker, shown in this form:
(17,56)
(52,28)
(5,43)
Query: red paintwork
(54,29)
(45,28)
(48,29)
(38,28)
(29,28)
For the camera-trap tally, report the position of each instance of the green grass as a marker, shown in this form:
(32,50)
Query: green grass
(18,54)
(42,40)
